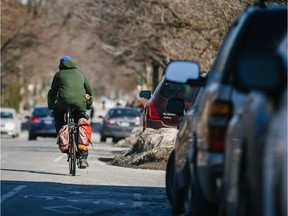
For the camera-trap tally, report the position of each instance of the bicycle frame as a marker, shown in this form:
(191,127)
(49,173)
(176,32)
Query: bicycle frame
(73,149)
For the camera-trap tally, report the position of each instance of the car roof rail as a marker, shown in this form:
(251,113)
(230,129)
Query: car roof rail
(260,3)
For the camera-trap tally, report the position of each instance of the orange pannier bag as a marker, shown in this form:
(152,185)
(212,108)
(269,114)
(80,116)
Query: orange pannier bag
(63,139)
(85,134)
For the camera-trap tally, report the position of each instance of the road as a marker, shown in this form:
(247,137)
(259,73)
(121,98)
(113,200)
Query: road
(35,181)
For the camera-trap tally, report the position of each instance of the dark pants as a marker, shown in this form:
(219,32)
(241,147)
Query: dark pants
(60,121)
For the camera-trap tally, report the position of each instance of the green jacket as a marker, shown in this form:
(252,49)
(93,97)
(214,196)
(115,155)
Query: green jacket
(68,89)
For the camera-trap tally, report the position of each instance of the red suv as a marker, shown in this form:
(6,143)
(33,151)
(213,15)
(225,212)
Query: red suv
(155,114)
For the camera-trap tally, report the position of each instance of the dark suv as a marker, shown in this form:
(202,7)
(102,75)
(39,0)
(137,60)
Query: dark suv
(248,162)
(41,123)
(255,31)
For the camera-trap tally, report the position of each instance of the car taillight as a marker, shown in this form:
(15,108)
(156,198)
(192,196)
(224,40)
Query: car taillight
(221,112)
(110,121)
(35,119)
(152,111)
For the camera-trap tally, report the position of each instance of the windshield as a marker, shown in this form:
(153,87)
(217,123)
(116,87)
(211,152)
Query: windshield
(123,112)
(42,112)
(177,90)
(6,115)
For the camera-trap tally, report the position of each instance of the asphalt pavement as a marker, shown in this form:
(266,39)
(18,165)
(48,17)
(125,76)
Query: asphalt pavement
(35,181)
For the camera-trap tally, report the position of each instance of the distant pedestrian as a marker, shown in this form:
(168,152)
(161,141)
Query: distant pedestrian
(103,104)
(92,113)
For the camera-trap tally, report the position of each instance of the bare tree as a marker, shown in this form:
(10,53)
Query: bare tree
(19,34)
(111,41)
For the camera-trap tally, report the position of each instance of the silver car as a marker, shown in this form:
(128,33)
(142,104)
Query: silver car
(10,122)
(119,122)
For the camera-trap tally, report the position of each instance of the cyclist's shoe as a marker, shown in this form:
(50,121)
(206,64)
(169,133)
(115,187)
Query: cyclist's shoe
(83,163)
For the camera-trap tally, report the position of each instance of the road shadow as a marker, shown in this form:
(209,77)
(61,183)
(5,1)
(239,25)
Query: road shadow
(48,198)
(107,160)
(34,171)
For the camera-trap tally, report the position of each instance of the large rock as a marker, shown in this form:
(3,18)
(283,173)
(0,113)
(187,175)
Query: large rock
(149,149)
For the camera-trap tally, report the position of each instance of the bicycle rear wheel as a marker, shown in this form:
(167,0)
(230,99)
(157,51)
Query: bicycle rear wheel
(72,159)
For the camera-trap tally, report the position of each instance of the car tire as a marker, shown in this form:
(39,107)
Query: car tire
(243,186)
(103,139)
(116,139)
(196,203)
(175,196)
(32,137)
(178,205)
(15,135)
(181,194)
(170,177)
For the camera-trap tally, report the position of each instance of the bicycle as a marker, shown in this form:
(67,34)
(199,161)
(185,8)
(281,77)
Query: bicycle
(73,148)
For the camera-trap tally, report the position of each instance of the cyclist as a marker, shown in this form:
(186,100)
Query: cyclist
(70,90)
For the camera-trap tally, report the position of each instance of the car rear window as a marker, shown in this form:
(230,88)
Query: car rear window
(42,112)
(265,30)
(123,112)
(6,115)
(178,90)
(261,33)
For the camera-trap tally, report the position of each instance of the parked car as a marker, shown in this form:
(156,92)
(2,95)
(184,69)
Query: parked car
(274,168)
(155,114)
(177,178)
(119,122)
(254,32)
(10,122)
(177,169)
(254,158)
(41,123)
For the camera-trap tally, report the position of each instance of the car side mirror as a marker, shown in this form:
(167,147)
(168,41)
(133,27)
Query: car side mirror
(176,105)
(182,71)
(146,94)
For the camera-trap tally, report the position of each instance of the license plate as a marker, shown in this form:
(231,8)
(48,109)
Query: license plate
(124,124)
(48,122)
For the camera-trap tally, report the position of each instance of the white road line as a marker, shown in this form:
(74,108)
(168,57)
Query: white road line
(66,209)
(59,158)
(12,192)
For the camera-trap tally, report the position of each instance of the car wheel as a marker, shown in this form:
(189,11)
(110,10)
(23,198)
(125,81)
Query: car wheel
(115,139)
(102,139)
(32,137)
(243,187)
(169,177)
(181,194)
(175,196)
(178,205)
(196,203)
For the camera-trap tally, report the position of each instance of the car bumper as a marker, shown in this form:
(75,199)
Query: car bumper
(115,131)
(210,170)
(9,132)
(44,132)
(156,124)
